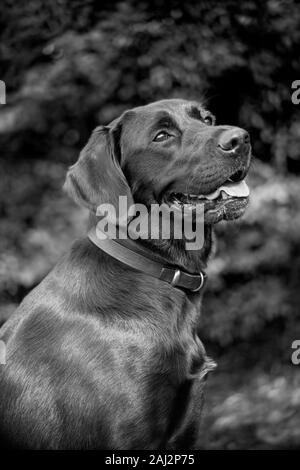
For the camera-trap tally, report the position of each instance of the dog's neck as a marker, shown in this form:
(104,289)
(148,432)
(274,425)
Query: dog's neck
(173,251)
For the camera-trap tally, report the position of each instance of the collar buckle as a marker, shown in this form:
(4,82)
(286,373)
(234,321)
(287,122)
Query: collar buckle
(175,278)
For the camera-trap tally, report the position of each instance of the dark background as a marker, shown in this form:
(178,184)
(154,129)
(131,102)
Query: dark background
(70,65)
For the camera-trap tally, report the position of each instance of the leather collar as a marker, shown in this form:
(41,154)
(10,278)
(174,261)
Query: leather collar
(137,258)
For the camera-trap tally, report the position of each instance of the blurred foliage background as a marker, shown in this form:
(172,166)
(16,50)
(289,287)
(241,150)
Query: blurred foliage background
(70,65)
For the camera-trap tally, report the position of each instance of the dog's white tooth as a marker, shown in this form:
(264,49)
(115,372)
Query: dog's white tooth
(213,195)
(224,195)
(176,203)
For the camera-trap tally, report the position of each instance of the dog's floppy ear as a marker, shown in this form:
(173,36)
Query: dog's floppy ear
(97,178)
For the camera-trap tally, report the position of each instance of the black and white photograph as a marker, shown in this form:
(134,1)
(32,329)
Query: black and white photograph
(149,228)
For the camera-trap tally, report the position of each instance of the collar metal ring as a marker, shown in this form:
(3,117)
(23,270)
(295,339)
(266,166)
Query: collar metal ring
(201,283)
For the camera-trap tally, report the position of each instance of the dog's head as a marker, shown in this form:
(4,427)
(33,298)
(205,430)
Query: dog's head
(169,151)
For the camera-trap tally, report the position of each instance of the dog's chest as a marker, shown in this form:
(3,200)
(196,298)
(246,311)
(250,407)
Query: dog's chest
(186,352)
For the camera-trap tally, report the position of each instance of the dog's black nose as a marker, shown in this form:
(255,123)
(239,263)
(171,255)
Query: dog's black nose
(233,139)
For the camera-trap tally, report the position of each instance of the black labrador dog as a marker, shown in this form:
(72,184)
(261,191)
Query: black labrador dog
(101,355)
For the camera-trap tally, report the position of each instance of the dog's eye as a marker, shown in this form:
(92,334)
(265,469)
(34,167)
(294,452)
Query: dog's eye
(208,120)
(161,136)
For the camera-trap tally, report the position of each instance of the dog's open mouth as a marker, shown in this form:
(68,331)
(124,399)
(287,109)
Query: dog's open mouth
(226,202)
